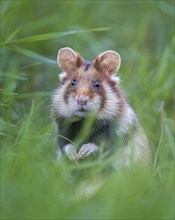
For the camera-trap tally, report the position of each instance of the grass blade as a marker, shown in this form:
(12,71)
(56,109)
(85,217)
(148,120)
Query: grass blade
(48,36)
(33,55)
(12,35)
(161,136)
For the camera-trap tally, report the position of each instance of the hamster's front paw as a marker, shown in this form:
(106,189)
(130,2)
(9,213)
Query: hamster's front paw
(86,150)
(70,151)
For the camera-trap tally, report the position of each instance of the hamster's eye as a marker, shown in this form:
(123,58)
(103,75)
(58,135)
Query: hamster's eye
(96,84)
(74,82)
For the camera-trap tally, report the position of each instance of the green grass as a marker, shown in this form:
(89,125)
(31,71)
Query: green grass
(33,184)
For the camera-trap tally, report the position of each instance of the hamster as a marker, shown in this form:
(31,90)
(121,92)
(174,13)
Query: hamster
(91,90)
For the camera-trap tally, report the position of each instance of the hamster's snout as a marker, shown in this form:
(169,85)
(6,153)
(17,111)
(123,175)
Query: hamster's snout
(82,100)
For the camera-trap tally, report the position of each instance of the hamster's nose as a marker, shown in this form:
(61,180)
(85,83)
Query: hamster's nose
(82,100)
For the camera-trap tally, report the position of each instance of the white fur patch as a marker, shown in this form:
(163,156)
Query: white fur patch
(59,103)
(110,108)
(62,76)
(116,79)
(127,119)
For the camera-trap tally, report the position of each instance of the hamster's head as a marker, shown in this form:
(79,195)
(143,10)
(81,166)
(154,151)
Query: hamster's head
(87,86)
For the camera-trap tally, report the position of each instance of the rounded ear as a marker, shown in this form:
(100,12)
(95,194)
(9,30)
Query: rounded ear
(108,62)
(68,60)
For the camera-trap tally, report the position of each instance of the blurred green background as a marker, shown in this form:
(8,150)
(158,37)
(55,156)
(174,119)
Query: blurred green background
(33,184)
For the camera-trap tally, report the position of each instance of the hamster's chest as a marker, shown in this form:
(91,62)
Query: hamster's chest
(76,130)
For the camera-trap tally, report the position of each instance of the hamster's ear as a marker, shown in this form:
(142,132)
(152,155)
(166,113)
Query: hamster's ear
(68,60)
(108,62)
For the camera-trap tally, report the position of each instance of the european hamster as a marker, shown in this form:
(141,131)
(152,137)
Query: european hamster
(91,90)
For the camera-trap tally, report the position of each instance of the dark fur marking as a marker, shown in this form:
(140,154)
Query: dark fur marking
(87,64)
(100,131)
(66,94)
(101,92)
(119,95)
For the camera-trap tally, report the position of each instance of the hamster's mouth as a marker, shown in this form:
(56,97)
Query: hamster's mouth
(83,110)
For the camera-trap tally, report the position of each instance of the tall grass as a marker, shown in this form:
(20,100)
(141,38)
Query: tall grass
(33,184)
